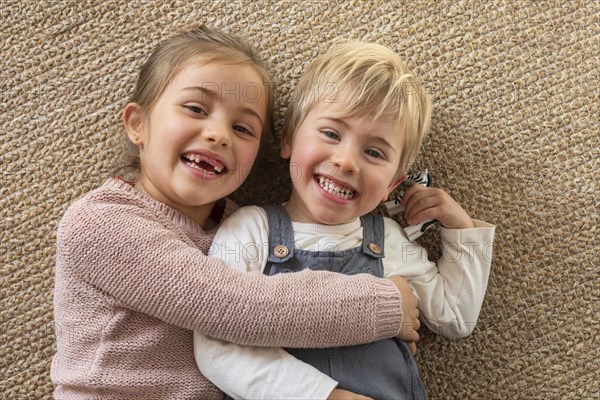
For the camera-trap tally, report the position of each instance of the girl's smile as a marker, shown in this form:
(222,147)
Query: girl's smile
(204,163)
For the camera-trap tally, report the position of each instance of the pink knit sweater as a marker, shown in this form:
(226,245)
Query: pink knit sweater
(133,281)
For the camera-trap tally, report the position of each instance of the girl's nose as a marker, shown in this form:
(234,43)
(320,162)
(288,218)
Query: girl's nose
(218,133)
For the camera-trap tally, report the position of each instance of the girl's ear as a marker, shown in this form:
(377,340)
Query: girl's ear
(286,148)
(393,186)
(134,123)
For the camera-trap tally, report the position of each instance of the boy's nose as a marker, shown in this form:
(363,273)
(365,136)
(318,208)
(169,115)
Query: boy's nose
(346,161)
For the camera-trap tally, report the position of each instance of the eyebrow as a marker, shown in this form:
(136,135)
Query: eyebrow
(204,90)
(211,93)
(335,120)
(346,125)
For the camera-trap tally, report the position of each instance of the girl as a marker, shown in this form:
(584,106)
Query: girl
(132,277)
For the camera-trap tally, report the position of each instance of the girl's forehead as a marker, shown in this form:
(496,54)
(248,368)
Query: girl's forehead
(236,85)
(211,73)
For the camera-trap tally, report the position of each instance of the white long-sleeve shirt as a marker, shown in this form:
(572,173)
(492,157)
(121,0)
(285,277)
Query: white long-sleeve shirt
(450,295)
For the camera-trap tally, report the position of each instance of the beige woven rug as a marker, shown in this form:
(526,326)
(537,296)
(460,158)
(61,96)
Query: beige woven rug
(515,139)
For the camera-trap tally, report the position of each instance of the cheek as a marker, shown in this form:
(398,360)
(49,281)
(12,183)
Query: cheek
(247,157)
(379,181)
(178,129)
(306,152)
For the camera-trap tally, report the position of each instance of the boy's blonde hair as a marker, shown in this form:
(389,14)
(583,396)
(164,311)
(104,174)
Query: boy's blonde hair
(372,81)
(203,46)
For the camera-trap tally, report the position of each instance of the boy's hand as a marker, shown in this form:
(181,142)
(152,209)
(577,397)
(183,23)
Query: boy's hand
(423,204)
(410,320)
(339,394)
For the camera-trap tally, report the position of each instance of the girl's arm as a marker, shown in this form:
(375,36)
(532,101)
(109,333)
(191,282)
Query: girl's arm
(145,263)
(451,292)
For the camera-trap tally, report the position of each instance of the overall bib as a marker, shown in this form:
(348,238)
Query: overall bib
(382,370)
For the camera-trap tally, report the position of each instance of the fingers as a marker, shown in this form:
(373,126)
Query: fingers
(340,394)
(410,321)
(410,327)
(412,346)
(411,192)
(411,333)
(419,203)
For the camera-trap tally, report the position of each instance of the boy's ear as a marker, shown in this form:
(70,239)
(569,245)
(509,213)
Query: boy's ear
(393,186)
(286,148)
(134,123)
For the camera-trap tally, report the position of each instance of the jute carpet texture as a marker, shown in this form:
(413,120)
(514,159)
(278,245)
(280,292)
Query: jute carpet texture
(515,140)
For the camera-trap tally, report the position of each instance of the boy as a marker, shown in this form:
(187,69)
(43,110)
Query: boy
(356,127)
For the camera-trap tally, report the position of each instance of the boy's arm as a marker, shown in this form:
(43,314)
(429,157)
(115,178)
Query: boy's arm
(245,372)
(451,292)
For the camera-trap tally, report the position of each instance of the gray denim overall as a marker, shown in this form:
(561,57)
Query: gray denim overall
(382,370)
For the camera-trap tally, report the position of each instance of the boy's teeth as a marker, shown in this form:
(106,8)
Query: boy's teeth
(331,187)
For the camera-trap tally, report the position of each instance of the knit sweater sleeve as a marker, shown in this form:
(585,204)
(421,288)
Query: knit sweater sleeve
(133,256)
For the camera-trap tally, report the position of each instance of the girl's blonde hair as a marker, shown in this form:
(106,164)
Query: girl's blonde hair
(203,46)
(372,81)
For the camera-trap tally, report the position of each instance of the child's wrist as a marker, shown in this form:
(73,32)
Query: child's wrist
(466,224)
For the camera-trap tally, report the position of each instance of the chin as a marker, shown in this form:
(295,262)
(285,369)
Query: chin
(332,219)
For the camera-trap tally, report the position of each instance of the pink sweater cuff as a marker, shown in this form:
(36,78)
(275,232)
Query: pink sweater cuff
(389,316)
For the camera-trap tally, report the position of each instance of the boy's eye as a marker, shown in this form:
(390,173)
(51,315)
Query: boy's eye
(373,153)
(331,135)
(195,109)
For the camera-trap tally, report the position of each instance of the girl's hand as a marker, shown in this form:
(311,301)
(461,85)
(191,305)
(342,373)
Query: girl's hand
(410,310)
(339,394)
(423,204)
(412,346)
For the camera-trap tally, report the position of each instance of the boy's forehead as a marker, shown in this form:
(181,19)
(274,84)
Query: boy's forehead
(341,110)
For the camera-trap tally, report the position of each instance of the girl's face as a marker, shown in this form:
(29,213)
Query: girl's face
(201,138)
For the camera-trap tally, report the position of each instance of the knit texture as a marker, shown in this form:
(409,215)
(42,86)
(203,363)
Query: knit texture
(132,281)
(514,140)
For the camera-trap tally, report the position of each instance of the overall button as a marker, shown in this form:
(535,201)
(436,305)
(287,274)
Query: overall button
(281,251)
(374,247)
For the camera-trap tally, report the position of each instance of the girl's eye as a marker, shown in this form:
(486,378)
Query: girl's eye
(241,129)
(195,109)
(373,153)
(331,135)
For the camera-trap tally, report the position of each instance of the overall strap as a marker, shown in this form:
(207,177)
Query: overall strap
(373,235)
(281,234)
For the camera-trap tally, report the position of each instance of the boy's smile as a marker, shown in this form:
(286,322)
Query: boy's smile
(338,191)
(342,168)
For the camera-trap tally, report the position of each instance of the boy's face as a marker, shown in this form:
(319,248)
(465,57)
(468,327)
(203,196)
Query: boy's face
(341,168)
(201,137)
